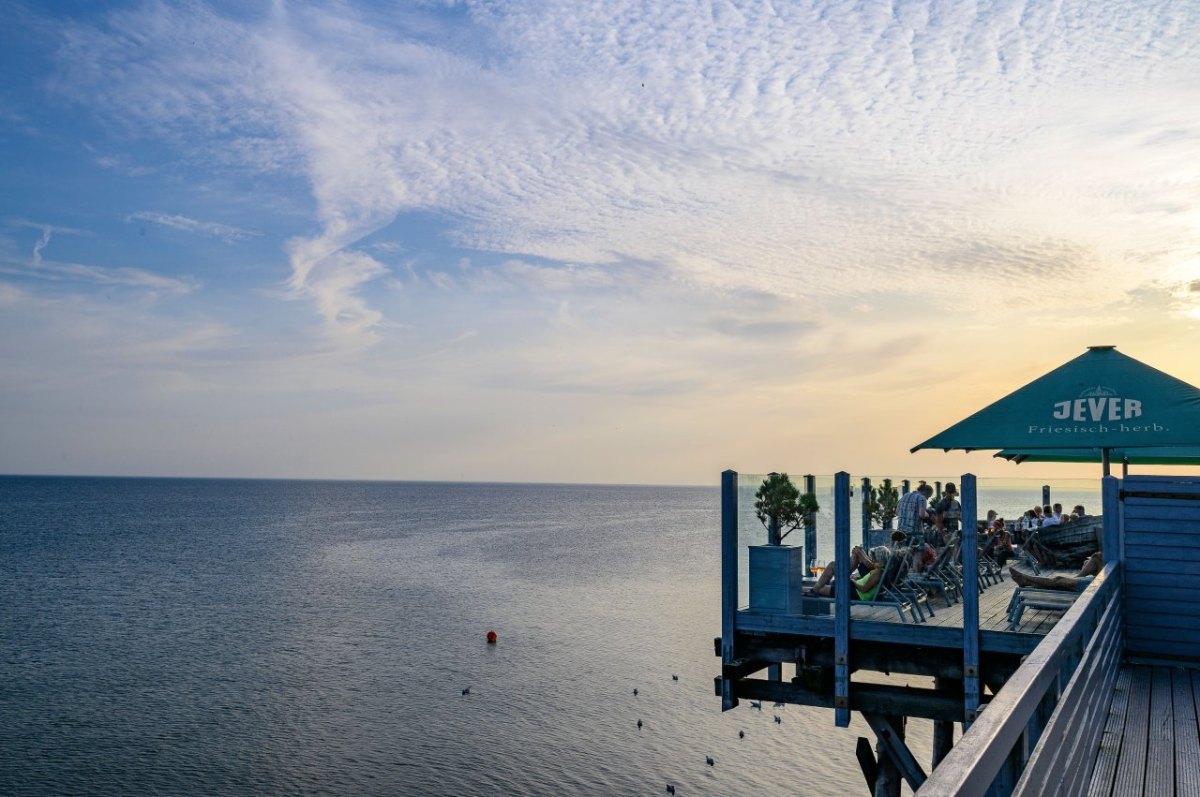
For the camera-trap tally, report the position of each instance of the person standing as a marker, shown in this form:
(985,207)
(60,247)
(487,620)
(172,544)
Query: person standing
(946,515)
(913,510)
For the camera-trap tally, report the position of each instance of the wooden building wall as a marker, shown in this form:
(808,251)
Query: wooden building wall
(1161,552)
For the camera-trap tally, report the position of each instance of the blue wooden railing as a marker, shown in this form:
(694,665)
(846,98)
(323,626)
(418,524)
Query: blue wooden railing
(1072,669)
(1040,733)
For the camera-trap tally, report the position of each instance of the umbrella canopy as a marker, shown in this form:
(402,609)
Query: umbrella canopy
(1181,455)
(1100,400)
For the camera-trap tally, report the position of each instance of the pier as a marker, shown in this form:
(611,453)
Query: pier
(1097,697)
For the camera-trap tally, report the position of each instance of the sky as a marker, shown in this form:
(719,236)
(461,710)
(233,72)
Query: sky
(578,242)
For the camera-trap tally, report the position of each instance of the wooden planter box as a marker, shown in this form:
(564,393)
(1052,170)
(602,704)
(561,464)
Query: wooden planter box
(777,578)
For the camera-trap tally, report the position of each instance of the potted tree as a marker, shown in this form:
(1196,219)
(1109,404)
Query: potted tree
(883,502)
(777,570)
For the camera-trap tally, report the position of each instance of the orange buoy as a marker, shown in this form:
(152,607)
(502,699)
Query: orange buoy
(491,637)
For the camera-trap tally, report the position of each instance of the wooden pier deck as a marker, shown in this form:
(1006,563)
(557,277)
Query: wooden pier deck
(1098,697)
(943,629)
(993,613)
(1151,742)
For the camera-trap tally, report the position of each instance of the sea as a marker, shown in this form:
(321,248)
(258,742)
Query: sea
(257,637)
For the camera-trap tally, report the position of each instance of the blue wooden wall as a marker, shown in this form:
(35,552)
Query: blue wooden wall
(1162,566)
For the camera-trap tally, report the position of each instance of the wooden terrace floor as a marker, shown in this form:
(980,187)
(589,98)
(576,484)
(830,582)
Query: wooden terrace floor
(881,623)
(993,612)
(1151,743)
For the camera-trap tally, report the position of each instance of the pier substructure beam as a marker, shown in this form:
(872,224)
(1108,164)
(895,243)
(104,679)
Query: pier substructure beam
(895,759)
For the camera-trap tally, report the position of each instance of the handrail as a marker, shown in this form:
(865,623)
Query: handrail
(977,758)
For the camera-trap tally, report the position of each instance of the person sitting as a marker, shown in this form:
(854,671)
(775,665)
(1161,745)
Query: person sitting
(1078,513)
(1049,518)
(865,587)
(1091,568)
(923,556)
(1002,543)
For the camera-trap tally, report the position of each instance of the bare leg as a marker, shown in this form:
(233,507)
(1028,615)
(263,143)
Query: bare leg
(857,556)
(822,585)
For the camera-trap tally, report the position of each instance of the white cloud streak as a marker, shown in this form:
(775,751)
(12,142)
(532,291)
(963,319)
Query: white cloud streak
(36,266)
(223,232)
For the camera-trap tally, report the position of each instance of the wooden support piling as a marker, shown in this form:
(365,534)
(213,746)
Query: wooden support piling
(866,510)
(841,644)
(970,566)
(887,781)
(943,730)
(729,580)
(810,526)
(1111,500)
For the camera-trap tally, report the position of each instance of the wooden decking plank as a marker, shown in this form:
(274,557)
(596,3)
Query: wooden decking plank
(1131,768)
(1110,743)
(1187,738)
(1160,752)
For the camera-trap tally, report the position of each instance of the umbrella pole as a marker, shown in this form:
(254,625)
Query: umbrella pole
(1104,460)
(1124,467)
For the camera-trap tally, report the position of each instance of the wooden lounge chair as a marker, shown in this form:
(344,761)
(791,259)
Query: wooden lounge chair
(938,578)
(890,593)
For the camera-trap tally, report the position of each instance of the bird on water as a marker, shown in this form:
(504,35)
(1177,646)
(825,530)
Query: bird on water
(670,788)
(467,691)
(709,760)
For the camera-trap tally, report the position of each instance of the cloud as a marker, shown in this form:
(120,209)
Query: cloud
(224,232)
(824,150)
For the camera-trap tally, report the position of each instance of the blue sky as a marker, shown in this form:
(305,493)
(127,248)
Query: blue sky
(550,241)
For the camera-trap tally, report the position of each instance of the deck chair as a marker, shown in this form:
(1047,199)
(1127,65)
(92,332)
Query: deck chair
(884,596)
(1047,600)
(897,588)
(955,567)
(936,579)
(990,569)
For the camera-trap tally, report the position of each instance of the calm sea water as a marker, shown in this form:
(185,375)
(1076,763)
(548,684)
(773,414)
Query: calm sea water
(187,637)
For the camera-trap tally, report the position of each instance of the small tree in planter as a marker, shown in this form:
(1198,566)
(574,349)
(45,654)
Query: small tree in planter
(883,502)
(781,507)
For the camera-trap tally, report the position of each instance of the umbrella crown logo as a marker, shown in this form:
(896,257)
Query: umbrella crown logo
(1098,403)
